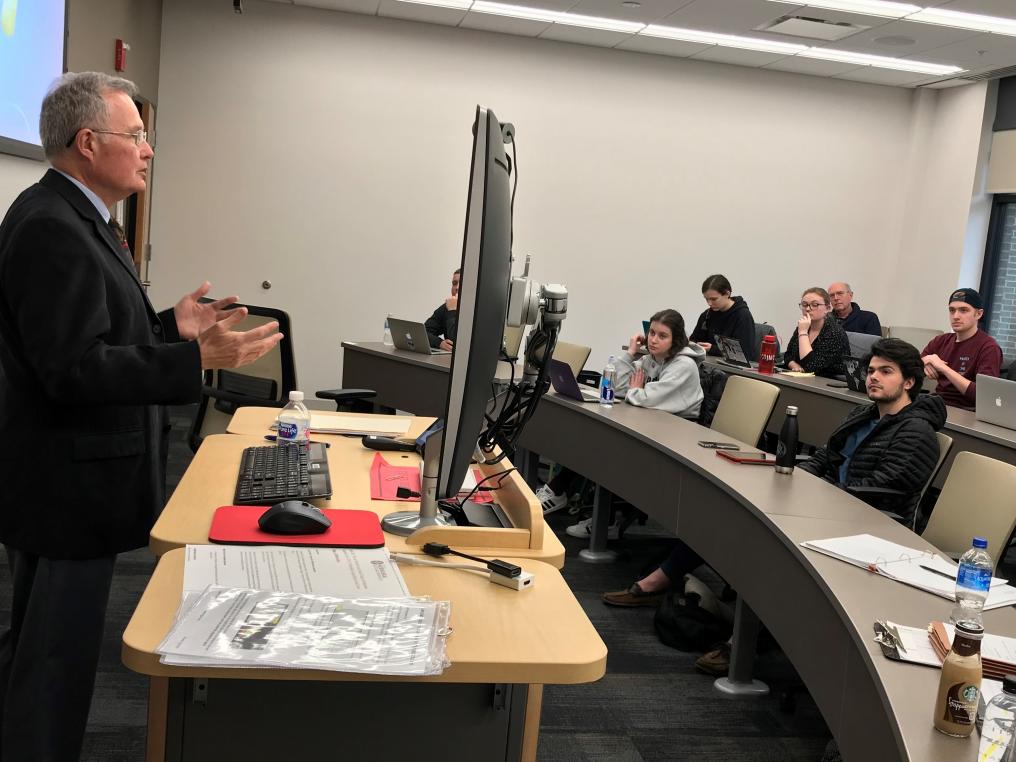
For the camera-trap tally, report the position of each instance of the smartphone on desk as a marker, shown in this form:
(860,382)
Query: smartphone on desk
(719,445)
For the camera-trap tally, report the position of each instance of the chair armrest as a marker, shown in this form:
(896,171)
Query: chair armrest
(346,395)
(875,491)
(240,400)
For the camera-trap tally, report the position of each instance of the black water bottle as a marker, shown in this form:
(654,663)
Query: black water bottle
(786,450)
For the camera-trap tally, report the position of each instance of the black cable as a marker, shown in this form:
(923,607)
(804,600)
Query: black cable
(502,474)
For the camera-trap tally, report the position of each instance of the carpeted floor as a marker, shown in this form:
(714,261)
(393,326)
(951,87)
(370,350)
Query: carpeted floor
(652,706)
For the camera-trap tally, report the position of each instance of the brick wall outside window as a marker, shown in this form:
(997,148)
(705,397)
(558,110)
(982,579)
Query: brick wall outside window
(1003,307)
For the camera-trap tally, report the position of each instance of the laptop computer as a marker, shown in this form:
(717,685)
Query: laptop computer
(996,401)
(412,337)
(563,381)
(856,374)
(732,353)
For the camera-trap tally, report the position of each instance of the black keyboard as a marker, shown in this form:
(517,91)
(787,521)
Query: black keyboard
(287,471)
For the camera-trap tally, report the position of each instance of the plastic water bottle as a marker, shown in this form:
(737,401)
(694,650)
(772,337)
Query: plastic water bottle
(607,383)
(786,448)
(767,355)
(972,582)
(997,731)
(388,334)
(294,421)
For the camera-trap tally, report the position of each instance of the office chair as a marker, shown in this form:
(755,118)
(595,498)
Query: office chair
(762,330)
(860,343)
(918,337)
(976,500)
(266,382)
(575,355)
(745,408)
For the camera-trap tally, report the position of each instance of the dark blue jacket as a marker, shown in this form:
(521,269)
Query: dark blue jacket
(860,321)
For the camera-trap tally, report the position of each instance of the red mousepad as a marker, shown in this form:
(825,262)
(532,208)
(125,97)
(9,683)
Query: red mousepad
(238,525)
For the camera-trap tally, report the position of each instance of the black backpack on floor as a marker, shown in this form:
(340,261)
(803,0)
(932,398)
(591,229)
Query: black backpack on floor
(682,624)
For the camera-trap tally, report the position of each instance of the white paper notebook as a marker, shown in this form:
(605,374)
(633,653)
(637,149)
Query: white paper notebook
(333,423)
(920,569)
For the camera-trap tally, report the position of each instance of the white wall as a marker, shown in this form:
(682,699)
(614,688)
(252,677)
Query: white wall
(329,153)
(16,174)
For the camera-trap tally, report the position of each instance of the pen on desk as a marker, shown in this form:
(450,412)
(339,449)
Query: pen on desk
(273,438)
(938,572)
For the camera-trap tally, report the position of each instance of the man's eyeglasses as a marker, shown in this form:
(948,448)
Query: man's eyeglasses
(139,137)
(811,305)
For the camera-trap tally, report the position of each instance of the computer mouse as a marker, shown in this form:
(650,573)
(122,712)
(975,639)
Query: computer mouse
(294,517)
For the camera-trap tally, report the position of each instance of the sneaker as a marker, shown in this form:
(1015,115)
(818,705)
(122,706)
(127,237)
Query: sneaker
(550,501)
(583,529)
(716,662)
(633,596)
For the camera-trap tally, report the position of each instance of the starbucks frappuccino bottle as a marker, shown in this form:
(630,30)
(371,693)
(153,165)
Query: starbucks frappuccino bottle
(960,686)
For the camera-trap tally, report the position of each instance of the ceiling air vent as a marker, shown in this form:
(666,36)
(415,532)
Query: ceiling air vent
(812,28)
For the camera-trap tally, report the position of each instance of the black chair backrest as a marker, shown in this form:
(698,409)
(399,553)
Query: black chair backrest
(713,381)
(764,329)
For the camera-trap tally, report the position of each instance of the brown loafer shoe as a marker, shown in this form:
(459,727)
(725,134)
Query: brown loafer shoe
(716,662)
(633,596)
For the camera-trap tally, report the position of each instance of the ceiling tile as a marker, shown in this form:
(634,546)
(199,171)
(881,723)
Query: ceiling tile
(416,12)
(649,12)
(547,5)
(883,76)
(598,37)
(659,46)
(489,22)
(349,6)
(1003,8)
(738,56)
(812,66)
(926,37)
(728,16)
(984,51)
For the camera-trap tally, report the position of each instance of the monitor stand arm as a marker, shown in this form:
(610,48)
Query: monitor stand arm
(404,523)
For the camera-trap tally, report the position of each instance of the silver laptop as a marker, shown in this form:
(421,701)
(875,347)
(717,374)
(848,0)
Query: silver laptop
(412,337)
(996,401)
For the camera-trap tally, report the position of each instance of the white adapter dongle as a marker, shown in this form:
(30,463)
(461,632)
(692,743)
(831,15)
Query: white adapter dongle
(521,582)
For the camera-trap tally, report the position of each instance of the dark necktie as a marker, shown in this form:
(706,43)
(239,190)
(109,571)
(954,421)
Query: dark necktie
(119,234)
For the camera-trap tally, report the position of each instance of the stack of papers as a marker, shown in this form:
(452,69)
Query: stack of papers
(333,423)
(920,569)
(998,653)
(340,609)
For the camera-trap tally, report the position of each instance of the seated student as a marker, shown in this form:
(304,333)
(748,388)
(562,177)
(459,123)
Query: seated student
(887,443)
(818,344)
(955,359)
(849,314)
(666,377)
(727,316)
(441,326)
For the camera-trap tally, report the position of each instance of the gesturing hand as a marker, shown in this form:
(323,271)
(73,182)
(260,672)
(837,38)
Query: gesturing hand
(194,317)
(222,347)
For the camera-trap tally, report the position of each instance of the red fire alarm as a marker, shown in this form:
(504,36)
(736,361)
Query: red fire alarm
(120,55)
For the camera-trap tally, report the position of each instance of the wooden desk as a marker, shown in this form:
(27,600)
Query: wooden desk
(211,478)
(821,408)
(505,646)
(748,523)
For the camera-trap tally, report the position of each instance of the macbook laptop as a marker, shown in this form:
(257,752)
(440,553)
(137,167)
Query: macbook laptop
(856,374)
(412,337)
(563,381)
(732,353)
(996,401)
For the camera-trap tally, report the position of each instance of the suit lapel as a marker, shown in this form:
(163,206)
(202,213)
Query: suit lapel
(85,208)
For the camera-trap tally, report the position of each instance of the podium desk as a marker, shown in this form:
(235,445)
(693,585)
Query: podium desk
(504,647)
(210,480)
(821,408)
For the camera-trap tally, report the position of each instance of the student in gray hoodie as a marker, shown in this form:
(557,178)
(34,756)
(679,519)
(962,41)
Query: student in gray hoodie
(667,377)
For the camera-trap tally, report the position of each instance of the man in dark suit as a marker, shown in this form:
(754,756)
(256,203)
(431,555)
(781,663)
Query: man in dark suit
(85,365)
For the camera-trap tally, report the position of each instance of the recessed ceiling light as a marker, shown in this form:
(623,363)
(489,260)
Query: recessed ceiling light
(555,17)
(724,40)
(974,21)
(631,4)
(880,62)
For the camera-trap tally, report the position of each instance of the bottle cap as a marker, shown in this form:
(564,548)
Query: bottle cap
(791,409)
(1009,684)
(610,360)
(769,339)
(969,629)
(980,542)
(296,396)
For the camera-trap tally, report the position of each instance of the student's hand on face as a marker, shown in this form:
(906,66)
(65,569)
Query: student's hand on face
(804,324)
(446,345)
(638,379)
(451,303)
(635,343)
(705,345)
